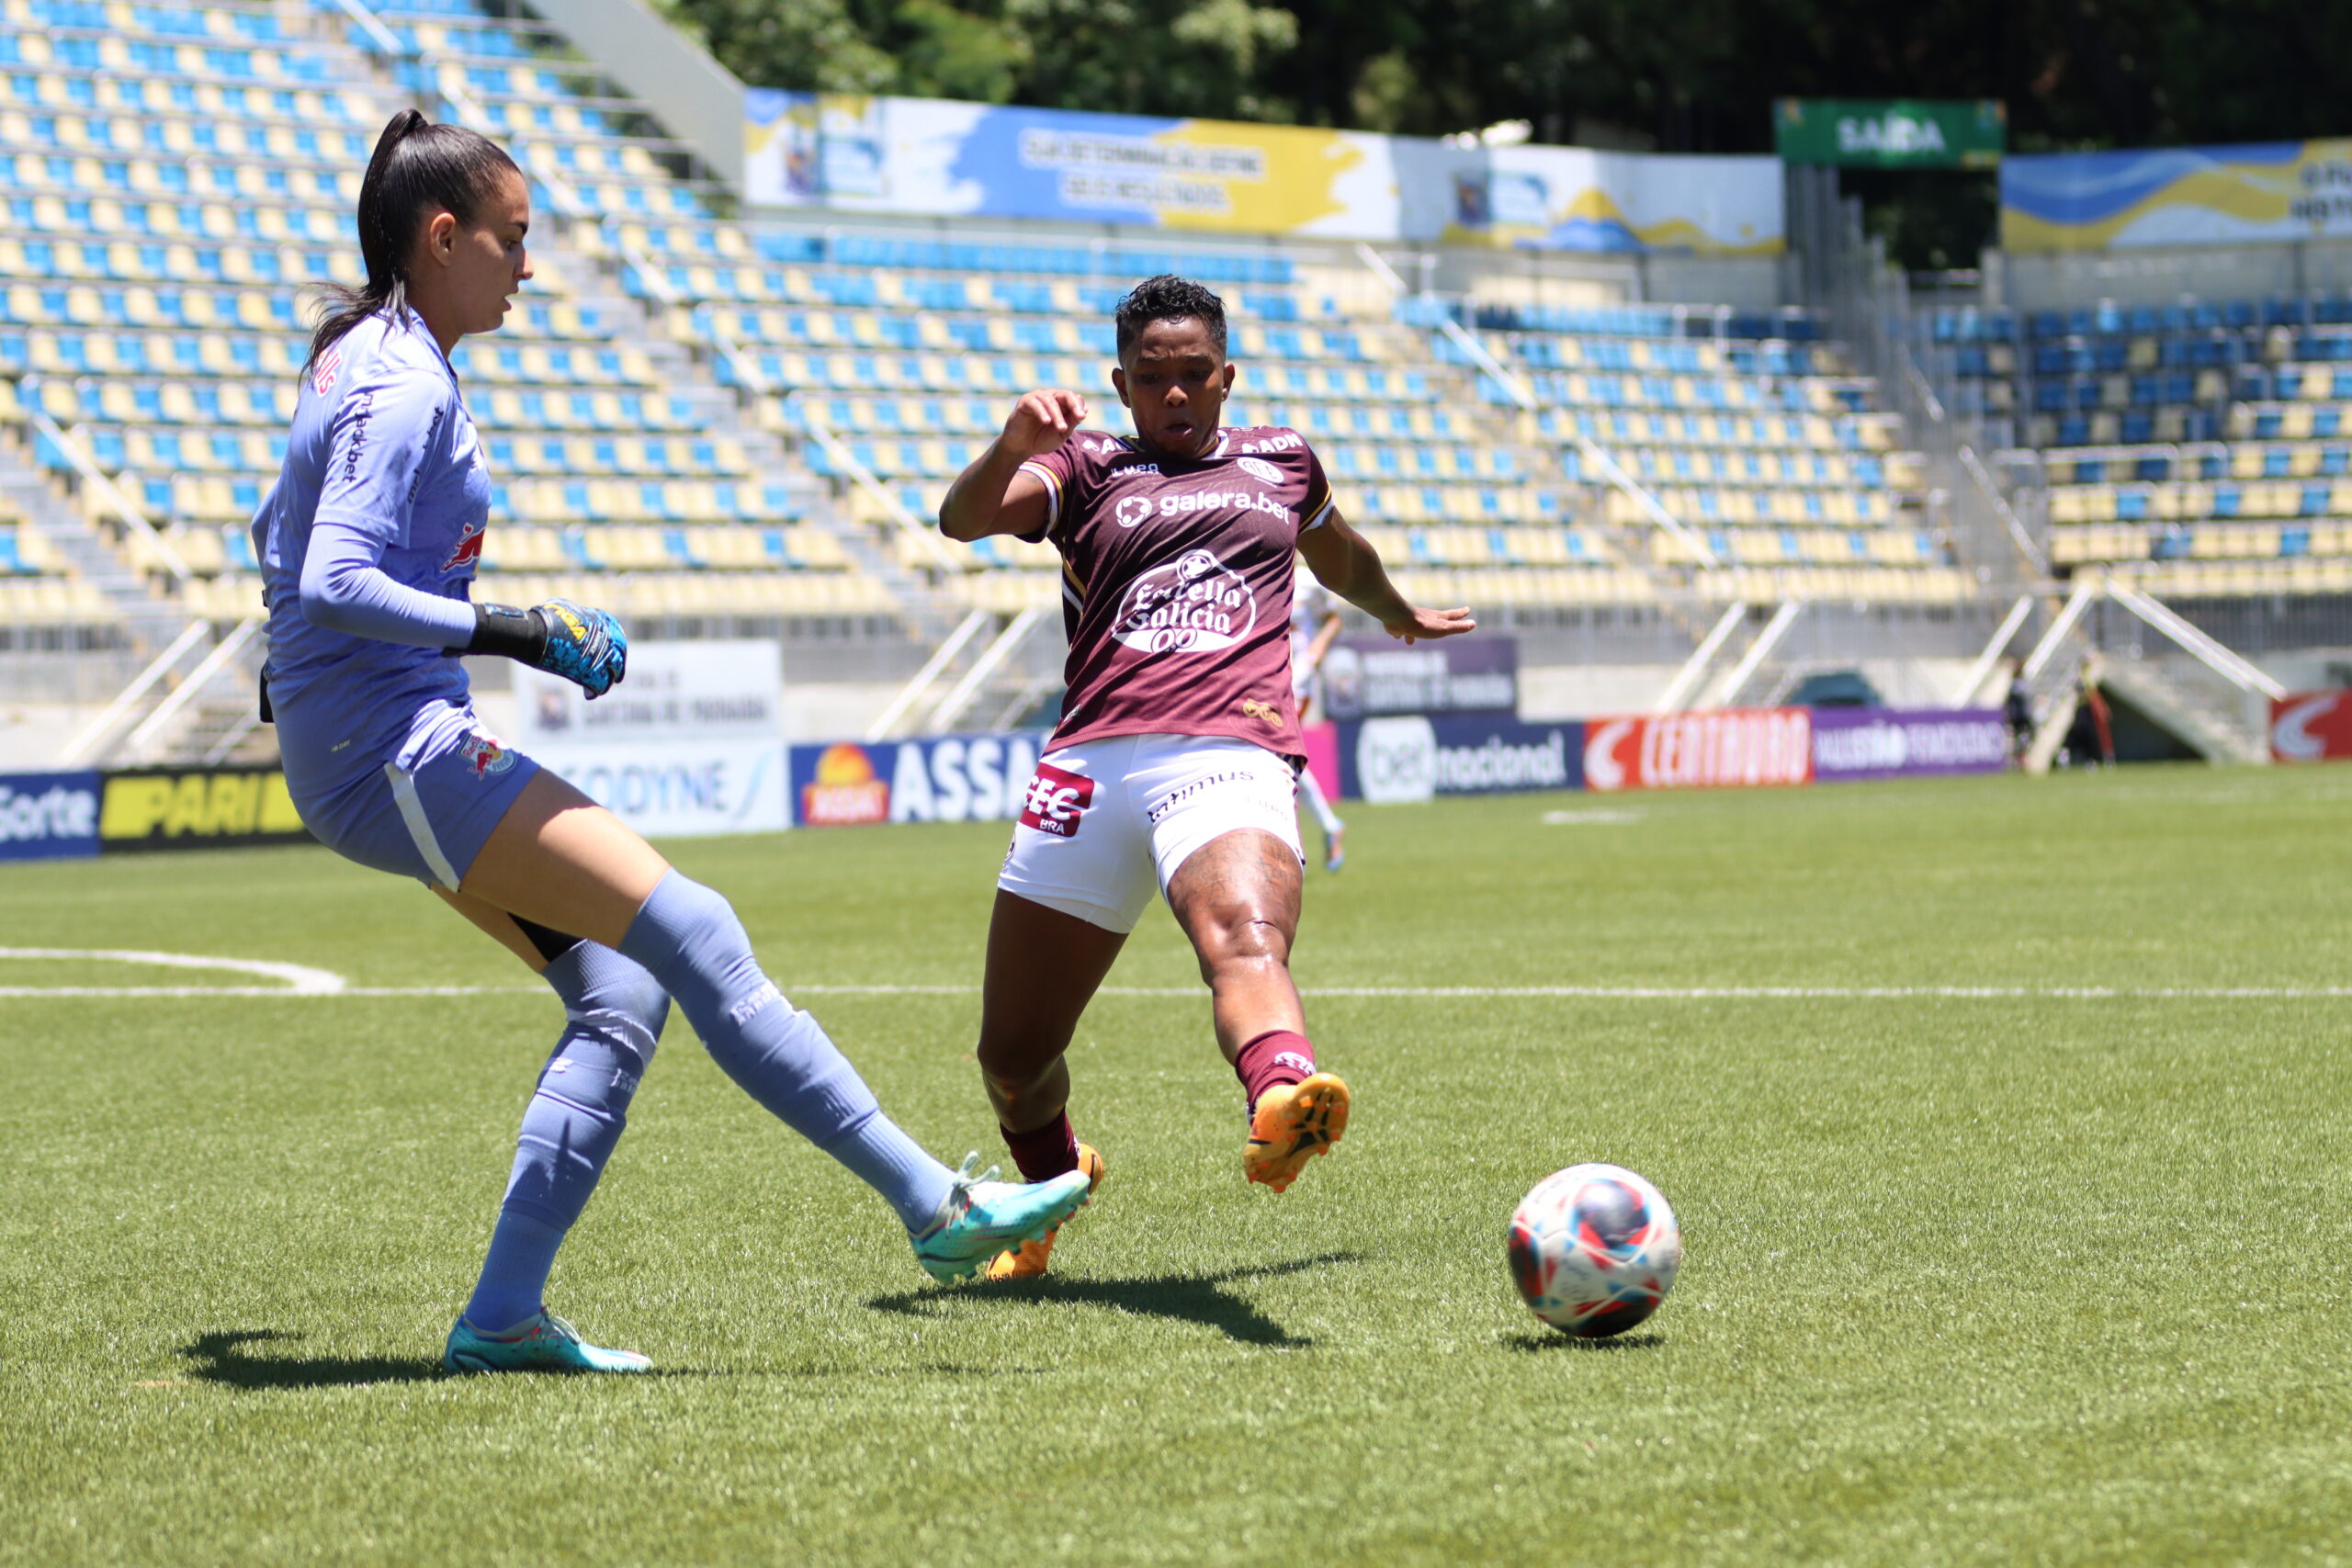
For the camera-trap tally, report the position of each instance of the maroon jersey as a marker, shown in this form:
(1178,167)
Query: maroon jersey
(1176,583)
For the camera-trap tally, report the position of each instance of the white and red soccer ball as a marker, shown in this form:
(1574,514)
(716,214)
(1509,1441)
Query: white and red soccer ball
(1594,1249)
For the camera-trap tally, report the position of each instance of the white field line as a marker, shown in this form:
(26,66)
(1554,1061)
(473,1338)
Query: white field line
(300,979)
(302,982)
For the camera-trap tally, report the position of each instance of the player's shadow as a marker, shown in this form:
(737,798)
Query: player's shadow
(1545,1341)
(221,1358)
(1193,1298)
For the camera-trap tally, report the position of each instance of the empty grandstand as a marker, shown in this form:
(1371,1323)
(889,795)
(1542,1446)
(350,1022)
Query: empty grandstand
(714,415)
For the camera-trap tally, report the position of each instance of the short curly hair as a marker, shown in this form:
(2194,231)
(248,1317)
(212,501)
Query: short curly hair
(1169,299)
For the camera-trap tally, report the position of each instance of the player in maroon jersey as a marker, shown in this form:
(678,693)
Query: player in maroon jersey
(1176,759)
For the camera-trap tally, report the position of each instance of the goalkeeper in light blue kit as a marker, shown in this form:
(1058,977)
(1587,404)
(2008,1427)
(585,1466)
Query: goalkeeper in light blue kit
(369,541)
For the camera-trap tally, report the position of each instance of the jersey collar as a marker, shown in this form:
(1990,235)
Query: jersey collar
(1224,434)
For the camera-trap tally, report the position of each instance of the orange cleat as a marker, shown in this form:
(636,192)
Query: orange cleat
(1292,1124)
(1028,1261)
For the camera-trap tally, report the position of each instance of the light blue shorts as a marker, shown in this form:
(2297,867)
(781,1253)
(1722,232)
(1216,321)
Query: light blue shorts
(425,812)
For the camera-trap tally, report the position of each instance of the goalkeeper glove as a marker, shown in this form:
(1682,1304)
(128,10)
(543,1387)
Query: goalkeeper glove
(583,646)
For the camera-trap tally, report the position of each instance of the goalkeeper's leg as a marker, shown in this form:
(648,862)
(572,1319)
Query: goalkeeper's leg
(560,860)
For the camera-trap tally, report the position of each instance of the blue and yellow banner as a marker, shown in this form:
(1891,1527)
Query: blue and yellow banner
(936,157)
(2250,193)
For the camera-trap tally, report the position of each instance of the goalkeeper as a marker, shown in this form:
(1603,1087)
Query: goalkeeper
(369,541)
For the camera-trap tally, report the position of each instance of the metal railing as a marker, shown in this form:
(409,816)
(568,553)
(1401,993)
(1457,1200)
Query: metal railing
(149,540)
(93,736)
(1868,301)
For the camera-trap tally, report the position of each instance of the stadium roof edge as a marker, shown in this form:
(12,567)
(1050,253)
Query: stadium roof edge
(675,78)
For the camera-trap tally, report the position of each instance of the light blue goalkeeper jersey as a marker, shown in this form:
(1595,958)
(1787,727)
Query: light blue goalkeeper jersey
(381,444)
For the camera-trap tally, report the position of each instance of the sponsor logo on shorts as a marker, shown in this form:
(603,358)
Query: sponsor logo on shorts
(322,374)
(1131,510)
(484,754)
(1260,470)
(1205,782)
(1265,713)
(1193,605)
(1056,801)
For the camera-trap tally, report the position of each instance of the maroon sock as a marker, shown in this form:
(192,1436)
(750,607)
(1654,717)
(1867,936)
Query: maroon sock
(1050,1151)
(1279,1055)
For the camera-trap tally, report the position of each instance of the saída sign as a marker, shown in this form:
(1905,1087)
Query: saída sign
(1890,133)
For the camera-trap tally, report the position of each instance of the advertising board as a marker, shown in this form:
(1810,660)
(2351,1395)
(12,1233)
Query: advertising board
(2248,193)
(48,816)
(1722,748)
(193,808)
(1417,757)
(1371,677)
(1891,743)
(689,744)
(864,153)
(2311,726)
(938,778)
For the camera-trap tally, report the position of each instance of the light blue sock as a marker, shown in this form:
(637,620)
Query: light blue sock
(614,1012)
(689,938)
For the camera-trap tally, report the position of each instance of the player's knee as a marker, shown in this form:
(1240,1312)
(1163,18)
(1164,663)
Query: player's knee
(715,948)
(1246,939)
(616,1010)
(638,1000)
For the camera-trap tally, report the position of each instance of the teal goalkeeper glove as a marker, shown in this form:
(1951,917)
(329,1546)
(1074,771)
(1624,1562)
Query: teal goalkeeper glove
(585,647)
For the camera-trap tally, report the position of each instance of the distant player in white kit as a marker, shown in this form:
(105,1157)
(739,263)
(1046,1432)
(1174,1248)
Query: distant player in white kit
(1174,766)
(1314,627)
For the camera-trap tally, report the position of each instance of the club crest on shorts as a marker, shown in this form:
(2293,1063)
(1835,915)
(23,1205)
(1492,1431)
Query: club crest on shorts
(1056,801)
(484,754)
(1195,603)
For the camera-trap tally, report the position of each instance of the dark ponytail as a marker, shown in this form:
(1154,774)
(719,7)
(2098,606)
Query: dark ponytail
(419,168)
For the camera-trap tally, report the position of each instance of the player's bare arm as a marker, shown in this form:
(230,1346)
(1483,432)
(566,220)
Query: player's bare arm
(1344,561)
(1325,636)
(993,496)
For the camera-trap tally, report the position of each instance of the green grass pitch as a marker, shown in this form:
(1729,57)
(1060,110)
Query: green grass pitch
(2013,1278)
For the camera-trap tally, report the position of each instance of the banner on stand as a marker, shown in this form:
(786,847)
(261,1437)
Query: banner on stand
(689,745)
(1417,757)
(198,809)
(859,152)
(2311,726)
(48,816)
(1372,677)
(1894,743)
(1722,748)
(938,778)
(2250,193)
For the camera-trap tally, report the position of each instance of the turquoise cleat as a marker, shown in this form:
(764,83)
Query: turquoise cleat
(984,1217)
(541,1344)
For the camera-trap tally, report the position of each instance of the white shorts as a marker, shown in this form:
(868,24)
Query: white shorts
(1106,820)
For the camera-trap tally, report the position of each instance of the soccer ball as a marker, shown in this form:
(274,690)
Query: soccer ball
(1594,1249)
